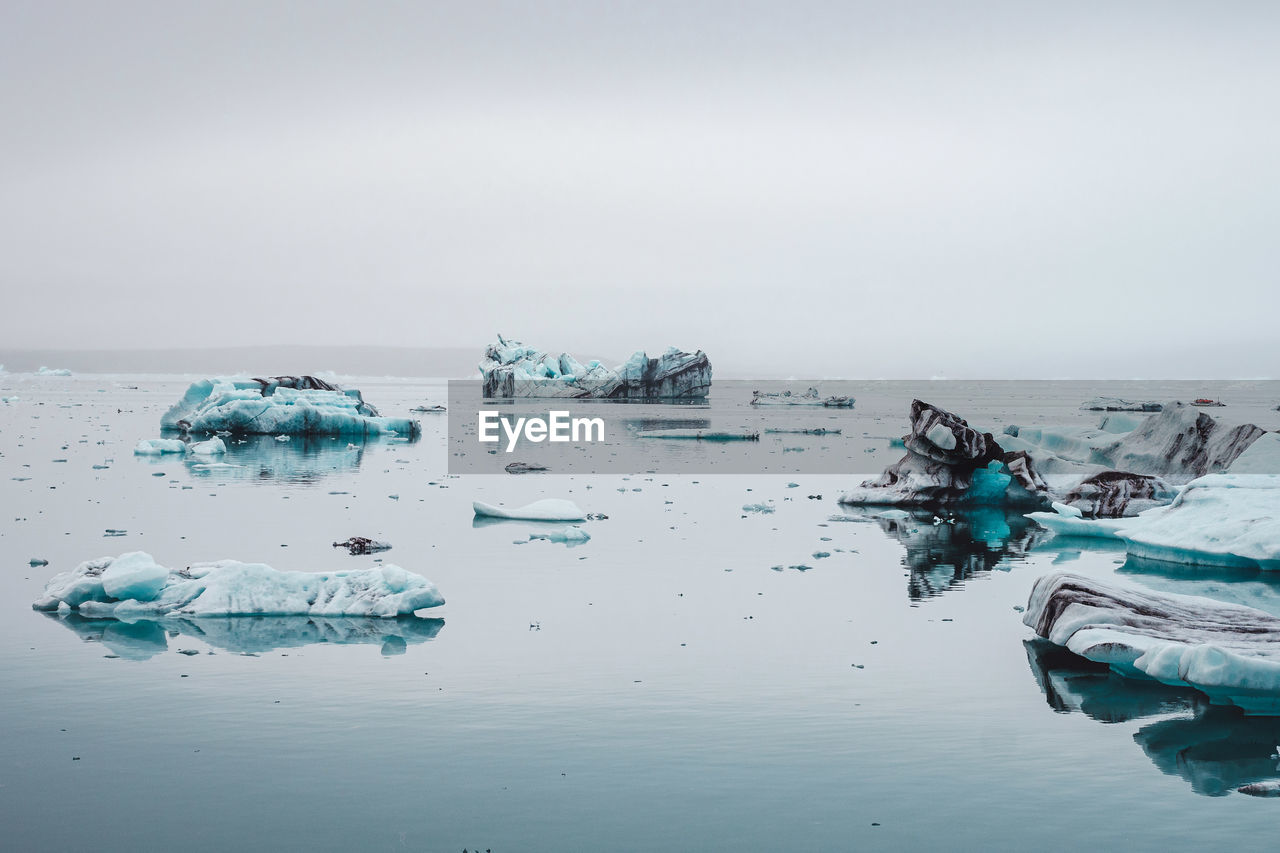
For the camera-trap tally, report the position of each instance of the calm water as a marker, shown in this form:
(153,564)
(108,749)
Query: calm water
(693,678)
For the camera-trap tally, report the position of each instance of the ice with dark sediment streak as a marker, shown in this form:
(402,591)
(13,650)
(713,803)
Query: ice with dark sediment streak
(1116,404)
(133,586)
(548,509)
(511,369)
(950,462)
(700,434)
(1230,520)
(280,405)
(1229,652)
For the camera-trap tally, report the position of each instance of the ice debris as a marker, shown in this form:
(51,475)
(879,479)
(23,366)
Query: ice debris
(133,586)
(159,446)
(700,434)
(571,535)
(511,369)
(286,405)
(357,545)
(1229,652)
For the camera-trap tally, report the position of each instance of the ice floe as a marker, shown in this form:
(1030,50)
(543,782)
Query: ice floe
(511,369)
(701,434)
(548,509)
(134,586)
(280,405)
(1229,652)
(1230,520)
(810,397)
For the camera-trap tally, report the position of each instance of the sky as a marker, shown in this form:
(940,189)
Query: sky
(986,189)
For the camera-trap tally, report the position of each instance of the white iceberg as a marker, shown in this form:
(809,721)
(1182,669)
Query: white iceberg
(1230,520)
(548,509)
(53,371)
(159,446)
(133,586)
(572,535)
(1229,652)
(511,369)
(288,405)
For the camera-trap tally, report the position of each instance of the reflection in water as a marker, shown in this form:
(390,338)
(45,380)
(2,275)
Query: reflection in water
(1251,587)
(1072,683)
(145,639)
(1216,749)
(944,552)
(301,459)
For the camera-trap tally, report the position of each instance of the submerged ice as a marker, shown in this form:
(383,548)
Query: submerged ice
(134,586)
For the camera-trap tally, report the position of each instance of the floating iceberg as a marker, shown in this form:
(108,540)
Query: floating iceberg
(511,369)
(949,461)
(1115,494)
(1115,404)
(287,405)
(212,447)
(808,398)
(1229,520)
(133,586)
(159,446)
(1229,652)
(53,371)
(548,509)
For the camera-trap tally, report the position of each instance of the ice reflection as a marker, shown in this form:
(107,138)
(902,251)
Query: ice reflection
(1215,749)
(145,639)
(299,460)
(945,550)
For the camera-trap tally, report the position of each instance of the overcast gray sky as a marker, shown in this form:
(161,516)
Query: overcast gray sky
(859,189)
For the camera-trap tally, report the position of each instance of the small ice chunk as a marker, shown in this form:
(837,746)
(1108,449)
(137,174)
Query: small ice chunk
(571,535)
(158,446)
(212,447)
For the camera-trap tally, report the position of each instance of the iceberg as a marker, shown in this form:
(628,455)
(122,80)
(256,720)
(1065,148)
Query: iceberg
(133,586)
(53,371)
(1115,404)
(1224,520)
(511,369)
(1229,652)
(548,509)
(280,405)
(810,397)
(950,462)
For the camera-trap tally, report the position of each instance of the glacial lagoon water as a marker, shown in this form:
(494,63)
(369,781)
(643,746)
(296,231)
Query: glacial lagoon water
(695,677)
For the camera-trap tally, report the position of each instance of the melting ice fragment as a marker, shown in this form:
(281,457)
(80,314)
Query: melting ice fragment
(548,509)
(159,446)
